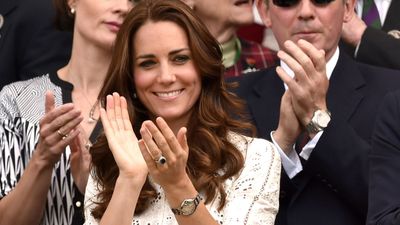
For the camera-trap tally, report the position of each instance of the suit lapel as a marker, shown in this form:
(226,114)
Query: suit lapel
(264,102)
(392,18)
(345,87)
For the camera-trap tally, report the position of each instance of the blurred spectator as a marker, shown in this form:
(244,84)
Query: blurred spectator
(373,35)
(223,18)
(30,45)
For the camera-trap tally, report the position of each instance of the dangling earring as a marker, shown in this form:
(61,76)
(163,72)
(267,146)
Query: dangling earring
(134,95)
(72,11)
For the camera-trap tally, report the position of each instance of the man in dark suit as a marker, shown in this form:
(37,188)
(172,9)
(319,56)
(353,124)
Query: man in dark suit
(326,181)
(375,46)
(384,192)
(30,45)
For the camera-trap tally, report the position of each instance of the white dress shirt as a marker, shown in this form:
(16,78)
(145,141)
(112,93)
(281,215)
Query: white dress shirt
(291,162)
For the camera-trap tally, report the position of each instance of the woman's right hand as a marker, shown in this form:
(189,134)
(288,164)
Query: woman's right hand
(58,127)
(121,138)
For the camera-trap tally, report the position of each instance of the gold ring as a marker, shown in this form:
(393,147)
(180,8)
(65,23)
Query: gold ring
(63,136)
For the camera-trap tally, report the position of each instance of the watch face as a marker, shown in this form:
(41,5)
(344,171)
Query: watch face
(322,118)
(188,207)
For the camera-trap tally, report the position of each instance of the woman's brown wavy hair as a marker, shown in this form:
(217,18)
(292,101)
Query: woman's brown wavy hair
(216,112)
(64,19)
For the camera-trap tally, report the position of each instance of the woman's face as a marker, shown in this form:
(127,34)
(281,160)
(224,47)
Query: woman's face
(226,12)
(98,21)
(165,77)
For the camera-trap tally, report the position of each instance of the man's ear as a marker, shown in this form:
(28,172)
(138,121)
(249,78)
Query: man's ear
(349,10)
(262,9)
(190,3)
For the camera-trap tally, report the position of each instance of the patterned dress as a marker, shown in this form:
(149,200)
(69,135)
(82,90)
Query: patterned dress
(252,195)
(21,108)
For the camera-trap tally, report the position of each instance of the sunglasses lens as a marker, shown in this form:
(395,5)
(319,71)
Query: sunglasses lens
(322,2)
(286,3)
(290,3)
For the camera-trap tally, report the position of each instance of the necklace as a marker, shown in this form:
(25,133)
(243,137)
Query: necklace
(92,119)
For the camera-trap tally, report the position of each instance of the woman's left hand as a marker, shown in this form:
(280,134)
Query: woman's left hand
(159,141)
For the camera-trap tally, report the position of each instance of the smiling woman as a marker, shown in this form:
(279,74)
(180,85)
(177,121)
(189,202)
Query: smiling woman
(187,159)
(166,80)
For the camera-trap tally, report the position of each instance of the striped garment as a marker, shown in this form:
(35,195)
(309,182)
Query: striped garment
(21,108)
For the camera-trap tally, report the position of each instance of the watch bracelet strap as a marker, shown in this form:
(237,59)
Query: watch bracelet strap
(312,128)
(196,202)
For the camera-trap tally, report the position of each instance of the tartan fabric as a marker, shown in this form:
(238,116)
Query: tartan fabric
(370,14)
(253,57)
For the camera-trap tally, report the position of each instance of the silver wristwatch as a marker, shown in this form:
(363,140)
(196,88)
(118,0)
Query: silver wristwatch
(188,206)
(319,121)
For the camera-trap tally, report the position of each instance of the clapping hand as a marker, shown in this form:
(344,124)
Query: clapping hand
(121,138)
(310,83)
(58,127)
(158,140)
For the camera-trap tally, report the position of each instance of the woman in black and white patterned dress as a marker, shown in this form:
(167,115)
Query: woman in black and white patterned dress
(48,123)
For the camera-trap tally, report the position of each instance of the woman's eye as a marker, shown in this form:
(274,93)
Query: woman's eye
(146,64)
(181,59)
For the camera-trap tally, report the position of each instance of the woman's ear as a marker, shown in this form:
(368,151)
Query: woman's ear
(72,4)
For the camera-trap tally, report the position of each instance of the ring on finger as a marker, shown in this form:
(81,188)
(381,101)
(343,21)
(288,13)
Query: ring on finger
(161,160)
(61,134)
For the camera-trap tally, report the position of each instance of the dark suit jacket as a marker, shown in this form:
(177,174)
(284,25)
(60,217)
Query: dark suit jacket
(332,188)
(29,43)
(379,48)
(384,196)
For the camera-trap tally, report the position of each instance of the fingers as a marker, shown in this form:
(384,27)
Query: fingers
(304,59)
(167,137)
(161,140)
(294,58)
(125,115)
(154,141)
(49,101)
(317,56)
(59,123)
(146,156)
(115,117)
(111,113)
(118,111)
(182,139)
(288,80)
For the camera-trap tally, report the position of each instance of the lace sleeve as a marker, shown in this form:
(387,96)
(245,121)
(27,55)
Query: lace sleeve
(253,198)
(90,199)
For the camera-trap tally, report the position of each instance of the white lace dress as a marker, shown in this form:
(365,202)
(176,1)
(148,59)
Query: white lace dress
(252,195)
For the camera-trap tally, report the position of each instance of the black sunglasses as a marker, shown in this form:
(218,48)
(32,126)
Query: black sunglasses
(290,3)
